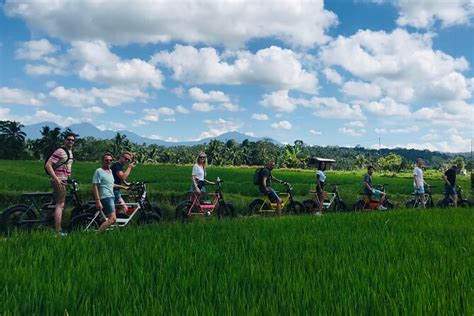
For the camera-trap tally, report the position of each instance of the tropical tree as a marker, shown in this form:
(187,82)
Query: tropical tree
(12,140)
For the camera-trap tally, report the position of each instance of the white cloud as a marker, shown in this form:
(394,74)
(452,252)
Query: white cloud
(401,130)
(355,124)
(213,22)
(260,117)
(387,107)
(424,13)
(97,63)
(181,109)
(202,107)
(227,106)
(220,126)
(273,66)
(178,91)
(42,116)
(5,114)
(403,65)
(18,96)
(361,90)
(35,50)
(112,96)
(332,76)
(351,131)
(212,96)
(282,125)
(153,114)
(51,84)
(453,113)
(315,132)
(279,101)
(114,126)
(93,110)
(331,108)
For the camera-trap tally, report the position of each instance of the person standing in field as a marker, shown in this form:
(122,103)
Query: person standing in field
(103,189)
(370,191)
(198,175)
(120,178)
(320,178)
(450,184)
(59,168)
(418,181)
(265,185)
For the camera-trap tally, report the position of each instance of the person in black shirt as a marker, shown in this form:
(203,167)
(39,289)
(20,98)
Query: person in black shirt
(120,178)
(450,184)
(265,185)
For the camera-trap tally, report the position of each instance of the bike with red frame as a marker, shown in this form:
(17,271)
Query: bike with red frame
(205,204)
(368,204)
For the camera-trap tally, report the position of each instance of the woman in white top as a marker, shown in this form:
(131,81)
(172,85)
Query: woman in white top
(199,174)
(320,178)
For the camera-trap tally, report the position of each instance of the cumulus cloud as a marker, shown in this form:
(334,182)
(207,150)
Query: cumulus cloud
(181,109)
(273,66)
(95,62)
(315,132)
(231,107)
(424,13)
(34,50)
(212,96)
(282,125)
(19,96)
(213,22)
(331,108)
(219,127)
(153,114)
(260,117)
(387,107)
(112,96)
(332,76)
(279,101)
(402,130)
(404,66)
(202,107)
(351,131)
(46,116)
(361,90)
(457,113)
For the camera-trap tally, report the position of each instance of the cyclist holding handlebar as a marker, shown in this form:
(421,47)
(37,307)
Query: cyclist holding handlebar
(198,175)
(370,191)
(265,185)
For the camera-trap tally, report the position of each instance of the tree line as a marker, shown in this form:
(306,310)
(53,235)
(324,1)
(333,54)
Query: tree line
(14,145)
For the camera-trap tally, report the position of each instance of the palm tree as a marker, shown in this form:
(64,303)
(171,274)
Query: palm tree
(12,140)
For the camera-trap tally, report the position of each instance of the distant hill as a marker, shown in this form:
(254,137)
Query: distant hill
(89,130)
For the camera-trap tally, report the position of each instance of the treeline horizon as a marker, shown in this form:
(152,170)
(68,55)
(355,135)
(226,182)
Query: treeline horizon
(15,146)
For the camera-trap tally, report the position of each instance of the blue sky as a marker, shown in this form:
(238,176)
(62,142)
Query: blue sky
(336,72)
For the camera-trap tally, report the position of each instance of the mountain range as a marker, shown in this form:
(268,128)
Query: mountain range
(89,130)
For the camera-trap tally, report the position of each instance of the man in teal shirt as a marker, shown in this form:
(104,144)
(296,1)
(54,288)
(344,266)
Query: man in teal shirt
(103,188)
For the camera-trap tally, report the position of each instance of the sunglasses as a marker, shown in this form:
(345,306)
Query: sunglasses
(127,159)
(202,157)
(108,160)
(70,139)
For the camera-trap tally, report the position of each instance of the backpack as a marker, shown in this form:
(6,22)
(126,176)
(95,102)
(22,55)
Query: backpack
(60,164)
(256,176)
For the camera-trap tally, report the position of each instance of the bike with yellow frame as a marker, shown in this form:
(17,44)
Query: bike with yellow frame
(261,206)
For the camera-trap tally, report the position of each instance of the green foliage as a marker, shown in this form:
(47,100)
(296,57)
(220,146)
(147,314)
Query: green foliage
(396,263)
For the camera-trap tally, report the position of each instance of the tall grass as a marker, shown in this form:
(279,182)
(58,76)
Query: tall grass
(405,262)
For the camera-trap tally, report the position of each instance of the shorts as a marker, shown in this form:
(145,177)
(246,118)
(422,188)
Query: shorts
(449,189)
(117,196)
(201,185)
(419,190)
(109,205)
(377,193)
(272,195)
(59,193)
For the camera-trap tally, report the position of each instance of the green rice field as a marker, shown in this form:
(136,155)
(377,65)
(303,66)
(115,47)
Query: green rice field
(402,262)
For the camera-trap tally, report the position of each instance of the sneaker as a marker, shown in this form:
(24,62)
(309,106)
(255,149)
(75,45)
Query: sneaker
(381,207)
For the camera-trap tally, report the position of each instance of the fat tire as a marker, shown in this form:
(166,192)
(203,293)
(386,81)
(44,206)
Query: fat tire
(295,207)
(340,207)
(358,206)
(255,206)
(149,218)
(225,210)
(310,205)
(80,222)
(181,211)
(464,204)
(13,214)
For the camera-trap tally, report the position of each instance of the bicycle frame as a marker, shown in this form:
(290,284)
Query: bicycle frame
(120,221)
(203,207)
(285,198)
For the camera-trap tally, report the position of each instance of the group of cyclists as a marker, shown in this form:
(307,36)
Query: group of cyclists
(111,177)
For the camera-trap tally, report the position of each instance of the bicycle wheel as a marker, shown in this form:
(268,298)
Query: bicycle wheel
(149,218)
(310,206)
(182,210)
(464,203)
(442,203)
(295,207)
(225,210)
(429,203)
(17,217)
(256,205)
(389,205)
(358,206)
(340,206)
(410,203)
(84,222)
